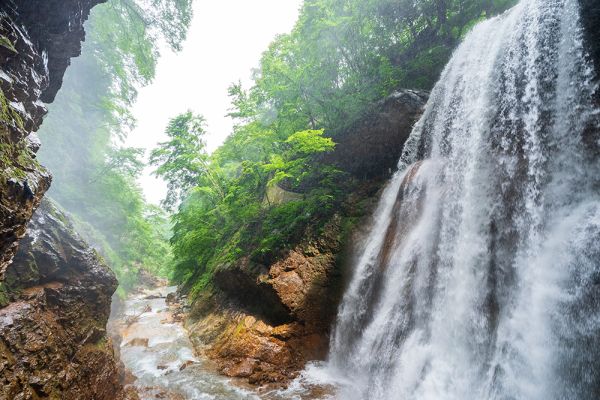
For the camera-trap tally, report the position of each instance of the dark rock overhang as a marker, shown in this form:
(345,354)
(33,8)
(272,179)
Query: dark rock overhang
(55,27)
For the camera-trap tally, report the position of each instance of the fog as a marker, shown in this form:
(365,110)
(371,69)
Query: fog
(224,44)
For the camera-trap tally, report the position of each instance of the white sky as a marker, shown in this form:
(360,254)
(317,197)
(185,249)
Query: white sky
(224,44)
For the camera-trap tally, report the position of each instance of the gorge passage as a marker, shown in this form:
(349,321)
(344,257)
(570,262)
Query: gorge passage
(351,239)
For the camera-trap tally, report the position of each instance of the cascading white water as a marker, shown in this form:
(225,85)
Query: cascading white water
(480,278)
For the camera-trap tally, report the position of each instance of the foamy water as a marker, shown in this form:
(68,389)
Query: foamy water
(169,348)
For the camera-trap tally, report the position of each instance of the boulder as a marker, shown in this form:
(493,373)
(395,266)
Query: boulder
(371,147)
(53,340)
(37,41)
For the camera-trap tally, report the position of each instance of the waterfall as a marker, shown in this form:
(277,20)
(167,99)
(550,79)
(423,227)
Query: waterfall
(480,277)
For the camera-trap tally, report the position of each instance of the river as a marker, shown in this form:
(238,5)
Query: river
(156,350)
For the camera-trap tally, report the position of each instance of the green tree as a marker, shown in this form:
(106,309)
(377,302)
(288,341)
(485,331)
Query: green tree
(182,160)
(293,164)
(96,180)
(312,85)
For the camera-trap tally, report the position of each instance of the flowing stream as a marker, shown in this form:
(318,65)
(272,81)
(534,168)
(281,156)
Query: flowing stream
(157,351)
(480,278)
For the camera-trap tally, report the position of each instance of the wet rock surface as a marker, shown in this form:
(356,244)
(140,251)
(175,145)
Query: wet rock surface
(263,323)
(53,341)
(55,291)
(371,148)
(54,27)
(37,41)
(590,15)
(264,349)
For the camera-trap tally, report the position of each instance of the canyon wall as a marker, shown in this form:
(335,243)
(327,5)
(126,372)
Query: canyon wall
(53,341)
(264,322)
(55,291)
(37,41)
(590,12)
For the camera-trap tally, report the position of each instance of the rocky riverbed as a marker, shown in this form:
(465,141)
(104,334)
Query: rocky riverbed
(158,356)
(160,361)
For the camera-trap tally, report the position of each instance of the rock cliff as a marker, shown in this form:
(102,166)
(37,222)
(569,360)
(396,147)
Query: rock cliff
(55,291)
(37,41)
(53,333)
(370,149)
(264,322)
(590,12)
(590,15)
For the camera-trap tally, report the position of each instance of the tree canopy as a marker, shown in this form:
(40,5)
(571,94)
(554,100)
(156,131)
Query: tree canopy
(267,184)
(96,179)
(183,159)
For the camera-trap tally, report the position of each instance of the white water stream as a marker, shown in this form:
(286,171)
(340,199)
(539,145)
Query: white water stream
(157,364)
(156,350)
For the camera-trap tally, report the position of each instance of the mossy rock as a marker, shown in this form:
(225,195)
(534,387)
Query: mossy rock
(7,44)
(4,298)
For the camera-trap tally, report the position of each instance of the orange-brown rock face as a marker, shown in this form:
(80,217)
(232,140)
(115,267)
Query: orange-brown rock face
(53,340)
(264,322)
(263,347)
(246,347)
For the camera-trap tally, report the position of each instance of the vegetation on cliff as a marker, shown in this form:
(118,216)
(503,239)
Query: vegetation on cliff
(228,209)
(257,195)
(313,84)
(96,179)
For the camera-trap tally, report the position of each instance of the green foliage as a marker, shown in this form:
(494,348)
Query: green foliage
(96,179)
(259,193)
(345,54)
(291,163)
(227,214)
(182,159)
(267,185)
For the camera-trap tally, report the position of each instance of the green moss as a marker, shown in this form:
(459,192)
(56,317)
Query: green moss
(7,44)
(16,160)
(240,328)
(101,344)
(4,299)
(8,115)
(201,285)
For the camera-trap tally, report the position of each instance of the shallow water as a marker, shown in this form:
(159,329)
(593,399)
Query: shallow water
(157,366)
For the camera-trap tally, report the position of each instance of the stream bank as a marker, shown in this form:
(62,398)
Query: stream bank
(158,356)
(160,361)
